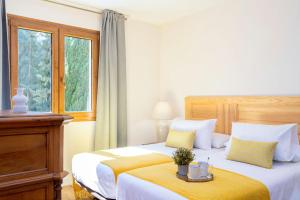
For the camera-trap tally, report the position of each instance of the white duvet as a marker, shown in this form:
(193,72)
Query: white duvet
(283,181)
(88,170)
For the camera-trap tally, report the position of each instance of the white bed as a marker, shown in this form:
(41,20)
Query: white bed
(88,170)
(283,181)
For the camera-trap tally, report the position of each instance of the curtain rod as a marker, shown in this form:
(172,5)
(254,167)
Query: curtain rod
(71,5)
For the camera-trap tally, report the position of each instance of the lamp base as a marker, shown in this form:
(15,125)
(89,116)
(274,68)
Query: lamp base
(163,129)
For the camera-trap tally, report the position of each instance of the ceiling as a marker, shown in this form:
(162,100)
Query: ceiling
(153,11)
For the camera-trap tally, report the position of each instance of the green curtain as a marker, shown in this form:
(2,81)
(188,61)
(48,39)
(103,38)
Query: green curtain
(111,120)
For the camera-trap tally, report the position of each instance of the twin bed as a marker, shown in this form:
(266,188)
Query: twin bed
(282,181)
(88,170)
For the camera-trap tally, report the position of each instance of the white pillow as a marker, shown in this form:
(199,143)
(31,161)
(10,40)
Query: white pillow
(286,135)
(219,140)
(297,156)
(203,130)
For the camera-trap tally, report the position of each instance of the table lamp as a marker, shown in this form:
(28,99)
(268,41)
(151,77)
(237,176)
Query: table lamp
(162,112)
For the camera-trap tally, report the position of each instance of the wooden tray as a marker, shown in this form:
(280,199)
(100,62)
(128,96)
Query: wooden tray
(210,177)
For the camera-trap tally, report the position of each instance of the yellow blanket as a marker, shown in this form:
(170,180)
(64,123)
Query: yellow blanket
(120,164)
(226,185)
(107,153)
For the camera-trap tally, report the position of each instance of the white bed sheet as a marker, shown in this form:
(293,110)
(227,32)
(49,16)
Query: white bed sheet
(88,170)
(283,181)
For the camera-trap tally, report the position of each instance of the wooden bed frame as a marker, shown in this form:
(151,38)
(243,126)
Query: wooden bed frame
(251,109)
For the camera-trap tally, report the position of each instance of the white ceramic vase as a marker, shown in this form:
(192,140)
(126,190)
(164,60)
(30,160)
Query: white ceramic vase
(20,101)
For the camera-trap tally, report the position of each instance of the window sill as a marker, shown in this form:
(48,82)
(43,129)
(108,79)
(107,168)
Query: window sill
(81,116)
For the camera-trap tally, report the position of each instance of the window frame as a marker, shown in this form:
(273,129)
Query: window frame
(58,32)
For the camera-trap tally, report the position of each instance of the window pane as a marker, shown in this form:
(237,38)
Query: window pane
(34,68)
(78,80)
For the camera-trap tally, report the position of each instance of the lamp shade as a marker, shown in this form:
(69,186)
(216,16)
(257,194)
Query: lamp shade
(162,111)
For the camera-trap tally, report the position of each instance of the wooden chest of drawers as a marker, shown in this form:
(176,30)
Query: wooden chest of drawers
(31,156)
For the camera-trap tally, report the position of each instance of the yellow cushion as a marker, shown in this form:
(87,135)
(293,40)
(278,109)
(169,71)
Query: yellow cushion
(179,139)
(255,153)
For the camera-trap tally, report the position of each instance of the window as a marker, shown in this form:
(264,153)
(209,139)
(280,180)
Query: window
(78,61)
(34,68)
(57,66)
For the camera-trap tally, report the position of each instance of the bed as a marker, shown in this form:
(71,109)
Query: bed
(88,170)
(100,179)
(282,182)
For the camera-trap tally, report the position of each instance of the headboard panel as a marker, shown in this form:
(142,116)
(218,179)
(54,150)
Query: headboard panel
(199,108)
(254,109)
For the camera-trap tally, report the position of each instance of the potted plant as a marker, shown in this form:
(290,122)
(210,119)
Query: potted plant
(182,158)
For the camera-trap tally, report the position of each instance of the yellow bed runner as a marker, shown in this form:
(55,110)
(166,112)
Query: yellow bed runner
(120,164)
(226,185)
(106,153)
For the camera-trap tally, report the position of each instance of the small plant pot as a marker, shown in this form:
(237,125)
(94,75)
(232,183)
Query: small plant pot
(183,170)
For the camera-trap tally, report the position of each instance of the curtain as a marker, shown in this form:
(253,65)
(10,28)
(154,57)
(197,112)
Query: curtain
(5,96)
(111,120)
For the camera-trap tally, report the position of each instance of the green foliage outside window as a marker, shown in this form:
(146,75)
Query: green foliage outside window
(77,74)
(34,63)
(35,71)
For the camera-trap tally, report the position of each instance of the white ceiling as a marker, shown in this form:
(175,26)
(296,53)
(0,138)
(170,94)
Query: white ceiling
(152,11)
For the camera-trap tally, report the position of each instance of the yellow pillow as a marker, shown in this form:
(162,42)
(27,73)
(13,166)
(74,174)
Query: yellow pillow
(179,139)
(255,153)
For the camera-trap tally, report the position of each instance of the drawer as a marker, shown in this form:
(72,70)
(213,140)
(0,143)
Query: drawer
(42,191)
(23,151)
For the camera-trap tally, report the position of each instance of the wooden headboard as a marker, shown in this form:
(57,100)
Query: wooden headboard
(251,109)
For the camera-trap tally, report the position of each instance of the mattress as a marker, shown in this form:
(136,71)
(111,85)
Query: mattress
(283,181)
(88,170)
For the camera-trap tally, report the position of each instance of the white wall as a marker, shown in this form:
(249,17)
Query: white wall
(241,47)
(78,138)
(142,43)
